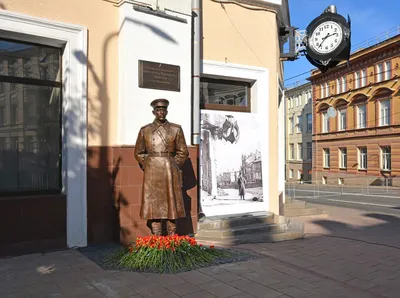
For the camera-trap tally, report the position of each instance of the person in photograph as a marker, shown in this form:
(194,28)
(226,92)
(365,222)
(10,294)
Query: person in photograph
(242,186)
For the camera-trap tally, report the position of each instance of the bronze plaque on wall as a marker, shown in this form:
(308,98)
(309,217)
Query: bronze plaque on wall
(153,75)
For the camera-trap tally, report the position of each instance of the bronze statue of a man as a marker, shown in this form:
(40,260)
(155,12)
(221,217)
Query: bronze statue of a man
(161,151)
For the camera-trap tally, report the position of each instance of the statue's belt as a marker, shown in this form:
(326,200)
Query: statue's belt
(160,154)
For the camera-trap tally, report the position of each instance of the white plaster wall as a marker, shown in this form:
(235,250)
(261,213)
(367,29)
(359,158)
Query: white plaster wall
(151,38)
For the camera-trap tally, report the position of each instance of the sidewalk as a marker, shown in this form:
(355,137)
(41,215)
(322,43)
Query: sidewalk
(318,266)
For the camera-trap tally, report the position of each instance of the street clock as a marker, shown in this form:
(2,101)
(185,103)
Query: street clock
(325,42)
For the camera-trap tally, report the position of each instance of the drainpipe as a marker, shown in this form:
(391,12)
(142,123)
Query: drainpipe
(196,17)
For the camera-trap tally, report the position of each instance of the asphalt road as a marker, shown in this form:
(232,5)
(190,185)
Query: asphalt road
(386,203)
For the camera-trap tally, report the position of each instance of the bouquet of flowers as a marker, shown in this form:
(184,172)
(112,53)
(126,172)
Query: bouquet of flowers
(164,254)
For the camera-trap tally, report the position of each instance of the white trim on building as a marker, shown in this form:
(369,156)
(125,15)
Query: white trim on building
(74,115)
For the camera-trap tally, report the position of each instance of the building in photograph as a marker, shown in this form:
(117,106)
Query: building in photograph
(75,90)
(299,148)
(357,119)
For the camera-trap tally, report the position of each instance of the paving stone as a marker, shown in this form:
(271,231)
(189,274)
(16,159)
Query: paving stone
(219,289)
(255,289)
(260,278)
(201,294)
(296,292)
(361,284)
(212,270)
(183,288)
(153,290)
(195,277)
(227,277)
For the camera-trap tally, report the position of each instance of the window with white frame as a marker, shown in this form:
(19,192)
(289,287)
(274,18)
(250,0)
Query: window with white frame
(324,180)
(386,158)
(296,100)
(291,173)
(361,116)
(362,158)
(379,72)
(338,86)
(384,112)
(309,97)
(298,174)
(291,125)
(291,151)
(343,158)
(327,158)
(356,80)
(289,100)
(322,91)
(363,78)
(299,126)
(342,119)
(344,84)
(300,151)
(327,90)
(309,150)
(387,70)
(309,122)
(300,99)
(325,122)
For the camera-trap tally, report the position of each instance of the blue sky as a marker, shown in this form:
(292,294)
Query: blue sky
(369,18)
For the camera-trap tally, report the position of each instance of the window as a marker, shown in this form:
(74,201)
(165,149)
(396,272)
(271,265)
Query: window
(298,174)
(338,86)
(344,84)
(309,150)
(324,180)
(30,93)
(387,70)
(325,122)
(363,78)
(289,102)
(2,115)
(291,173)
(356,80)
(291,125)
(386,158)
(291,151)
(327,159)
(379,72)
(299,126)
(384,112)
(326,89)
(309,97)
(361,116)
(362,158)
(343,158)
(296,99)
(309,122)
(217,94)
(342,119)
(300,151)
(340,181)
(322,90)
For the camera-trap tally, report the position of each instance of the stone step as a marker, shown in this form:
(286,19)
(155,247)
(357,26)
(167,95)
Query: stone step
(236,220)
(303,212)
(295,204)
(244,230)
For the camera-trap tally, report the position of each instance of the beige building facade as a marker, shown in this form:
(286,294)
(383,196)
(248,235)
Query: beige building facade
(78,183)
(299,148)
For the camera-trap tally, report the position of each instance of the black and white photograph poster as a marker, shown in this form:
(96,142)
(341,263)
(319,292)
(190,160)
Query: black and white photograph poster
(231,163)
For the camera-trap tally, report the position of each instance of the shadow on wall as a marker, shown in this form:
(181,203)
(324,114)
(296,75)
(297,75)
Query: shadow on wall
(106,165)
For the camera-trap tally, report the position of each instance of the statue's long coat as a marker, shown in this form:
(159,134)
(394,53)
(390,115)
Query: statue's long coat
(161,151)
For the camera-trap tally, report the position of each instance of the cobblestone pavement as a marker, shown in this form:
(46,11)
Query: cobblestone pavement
(317,266)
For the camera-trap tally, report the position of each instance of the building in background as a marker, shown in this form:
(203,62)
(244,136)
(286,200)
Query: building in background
(299,148)
(358,141)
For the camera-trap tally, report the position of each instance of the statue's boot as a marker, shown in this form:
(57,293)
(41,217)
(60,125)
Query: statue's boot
(171,227)
(156,228)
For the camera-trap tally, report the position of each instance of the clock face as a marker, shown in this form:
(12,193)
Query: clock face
(326,37)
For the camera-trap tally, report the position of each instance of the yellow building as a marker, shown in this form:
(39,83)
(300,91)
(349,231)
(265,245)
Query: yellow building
(69,130)
(360,142)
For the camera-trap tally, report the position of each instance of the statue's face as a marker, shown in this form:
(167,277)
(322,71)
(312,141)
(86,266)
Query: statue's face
(160,114)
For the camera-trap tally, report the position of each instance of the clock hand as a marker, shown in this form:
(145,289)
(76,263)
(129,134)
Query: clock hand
(328,35)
